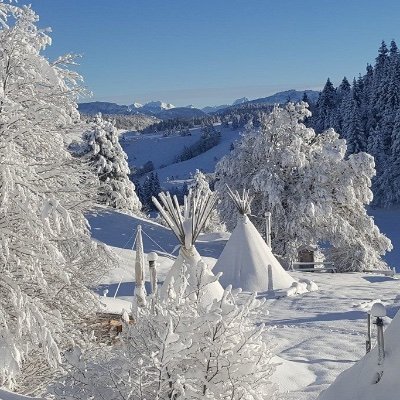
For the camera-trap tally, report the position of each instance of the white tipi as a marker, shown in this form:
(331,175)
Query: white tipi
(246,261)
(186,225)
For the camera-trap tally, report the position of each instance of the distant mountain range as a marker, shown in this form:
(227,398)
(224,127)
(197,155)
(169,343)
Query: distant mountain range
(166,111)
(151,108)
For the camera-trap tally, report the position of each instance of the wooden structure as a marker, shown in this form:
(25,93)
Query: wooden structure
(306,256)
(316,266)
(107,326)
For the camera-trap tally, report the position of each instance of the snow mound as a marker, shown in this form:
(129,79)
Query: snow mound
(366,380)
(291,375)
(298,287)
(113,305)
(248,263)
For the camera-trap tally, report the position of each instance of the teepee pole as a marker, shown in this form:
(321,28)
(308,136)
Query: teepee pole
(152,259)
(140,291)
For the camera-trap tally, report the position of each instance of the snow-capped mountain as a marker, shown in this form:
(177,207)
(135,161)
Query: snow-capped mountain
(157,109)
(240,101)
(277,98)
(157,106)
(164,110)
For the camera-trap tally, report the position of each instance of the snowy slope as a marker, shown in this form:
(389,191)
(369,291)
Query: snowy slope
(164,150)
(6,395)
(161,150)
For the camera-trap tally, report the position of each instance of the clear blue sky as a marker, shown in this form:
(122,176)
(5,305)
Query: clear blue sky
(211,52)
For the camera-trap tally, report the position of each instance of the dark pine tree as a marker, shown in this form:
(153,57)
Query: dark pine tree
(325,108)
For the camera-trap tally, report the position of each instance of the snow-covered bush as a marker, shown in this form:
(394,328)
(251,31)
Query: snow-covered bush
(201,185)
(47,260)
(315,193)
(177,349)
(110,162)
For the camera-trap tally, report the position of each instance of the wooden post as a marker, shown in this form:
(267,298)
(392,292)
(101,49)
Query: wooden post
(368,341)
(140,290)
(381,344)
(152,259)
(268,229)
(378,311)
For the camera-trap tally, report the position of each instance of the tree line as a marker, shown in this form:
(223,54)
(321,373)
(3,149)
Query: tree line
(366,113)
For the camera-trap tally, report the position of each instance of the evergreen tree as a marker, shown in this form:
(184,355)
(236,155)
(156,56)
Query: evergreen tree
(342,95)
(325,108)
(365,115)
(151,187)
(352,129)
(109,160)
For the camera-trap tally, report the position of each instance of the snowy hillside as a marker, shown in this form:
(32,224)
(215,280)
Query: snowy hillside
(162,151)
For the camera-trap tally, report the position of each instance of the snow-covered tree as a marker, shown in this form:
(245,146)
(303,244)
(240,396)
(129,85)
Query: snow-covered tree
(312,190)
(110,162)
(325,108)
(177,349)
(200,184)
(47,258)
(151,187)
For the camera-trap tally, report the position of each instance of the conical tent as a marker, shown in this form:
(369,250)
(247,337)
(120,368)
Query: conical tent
(186,225)
(246,261)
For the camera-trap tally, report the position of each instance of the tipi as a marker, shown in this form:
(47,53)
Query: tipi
(246,261)
(186,225)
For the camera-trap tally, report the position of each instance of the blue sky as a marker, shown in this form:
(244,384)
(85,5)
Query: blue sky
(211,52)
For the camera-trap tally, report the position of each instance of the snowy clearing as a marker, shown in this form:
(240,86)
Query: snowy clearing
(316,335)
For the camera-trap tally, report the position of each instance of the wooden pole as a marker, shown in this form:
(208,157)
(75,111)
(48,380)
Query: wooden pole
(368,341)
(268,229)
(140,291)
(378,311)
(152,259)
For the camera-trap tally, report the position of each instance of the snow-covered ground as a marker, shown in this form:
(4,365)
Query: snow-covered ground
(6,395)
(317,335)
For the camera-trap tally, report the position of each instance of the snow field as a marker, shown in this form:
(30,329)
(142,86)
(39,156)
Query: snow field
(317,335)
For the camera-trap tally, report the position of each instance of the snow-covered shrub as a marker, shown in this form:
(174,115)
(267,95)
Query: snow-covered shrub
(177,349)
(47,260)
(312,190)
(110,162)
